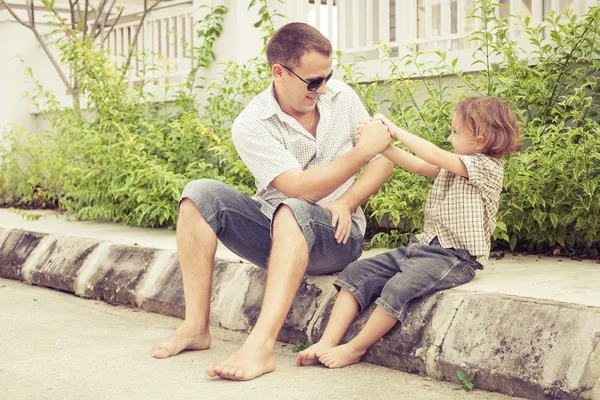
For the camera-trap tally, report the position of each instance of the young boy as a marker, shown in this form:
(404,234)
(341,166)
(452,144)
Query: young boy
(460,217)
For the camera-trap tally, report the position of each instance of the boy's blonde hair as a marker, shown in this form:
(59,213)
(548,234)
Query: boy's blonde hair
(492,122)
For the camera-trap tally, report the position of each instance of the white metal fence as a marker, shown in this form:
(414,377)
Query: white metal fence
(353,26)
(164,40)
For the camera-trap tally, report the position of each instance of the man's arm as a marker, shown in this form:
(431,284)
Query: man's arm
(373,176)
(371,179)
(316,183)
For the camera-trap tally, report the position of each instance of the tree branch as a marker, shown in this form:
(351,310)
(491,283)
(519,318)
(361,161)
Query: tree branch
(106,17)
(99,13)
(30,12)
(112,26)
(52,59)
(103,24)
(137,33)
(72,9)
(15,16)
(85,16)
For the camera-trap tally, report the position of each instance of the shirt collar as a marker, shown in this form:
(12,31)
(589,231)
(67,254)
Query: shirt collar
(272,107)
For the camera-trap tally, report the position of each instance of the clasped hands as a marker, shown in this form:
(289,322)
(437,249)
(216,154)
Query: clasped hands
(375,134)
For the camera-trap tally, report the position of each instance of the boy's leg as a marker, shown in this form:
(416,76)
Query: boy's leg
(343,313)
(359,284)
(427,269)
(379,323)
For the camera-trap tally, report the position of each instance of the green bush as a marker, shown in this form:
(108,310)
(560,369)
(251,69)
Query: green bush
(130,156)
(549,189)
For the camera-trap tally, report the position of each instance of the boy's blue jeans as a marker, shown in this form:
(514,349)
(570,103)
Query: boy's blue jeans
(399,276)
(239,224)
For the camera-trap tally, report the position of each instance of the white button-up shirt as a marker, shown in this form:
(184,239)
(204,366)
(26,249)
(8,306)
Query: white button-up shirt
(271,142)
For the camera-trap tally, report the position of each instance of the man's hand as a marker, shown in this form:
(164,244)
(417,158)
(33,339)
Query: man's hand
(373,137)
(389,124)
(341,219)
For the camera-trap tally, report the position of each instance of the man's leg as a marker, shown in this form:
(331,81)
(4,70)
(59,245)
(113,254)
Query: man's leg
(196,246)
(287,264)
(207,209)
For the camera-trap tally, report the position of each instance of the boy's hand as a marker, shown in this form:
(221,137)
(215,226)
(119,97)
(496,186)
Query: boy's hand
(374,137)
(341,219)
(359,127)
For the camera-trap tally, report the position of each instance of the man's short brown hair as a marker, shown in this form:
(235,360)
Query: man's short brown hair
(290,42)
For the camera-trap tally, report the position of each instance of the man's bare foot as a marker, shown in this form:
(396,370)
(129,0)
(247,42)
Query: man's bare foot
(181,339)
(249,362)
(309,357)
(341,356)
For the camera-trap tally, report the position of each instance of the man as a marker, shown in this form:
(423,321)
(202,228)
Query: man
(297,138)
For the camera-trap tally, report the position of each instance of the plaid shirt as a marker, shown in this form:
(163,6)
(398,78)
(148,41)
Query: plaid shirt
(462,212)
(271,142)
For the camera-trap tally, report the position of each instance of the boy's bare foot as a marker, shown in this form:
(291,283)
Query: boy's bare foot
(249,362)
(181,339)
(341,356)
(309,357)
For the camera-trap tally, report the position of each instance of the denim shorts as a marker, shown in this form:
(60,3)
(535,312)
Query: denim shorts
(245,230)
(399,276)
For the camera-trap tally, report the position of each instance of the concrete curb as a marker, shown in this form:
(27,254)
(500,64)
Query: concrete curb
(517,346)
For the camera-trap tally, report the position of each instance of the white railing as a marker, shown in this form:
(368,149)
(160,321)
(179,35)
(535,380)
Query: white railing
(353,26)
(361,26)
(164,41)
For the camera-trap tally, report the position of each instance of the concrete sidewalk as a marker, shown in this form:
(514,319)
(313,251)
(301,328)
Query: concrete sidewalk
(528,325)
(57,346)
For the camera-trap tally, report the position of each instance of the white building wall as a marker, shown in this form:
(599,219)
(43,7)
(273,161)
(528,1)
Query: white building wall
(239,42)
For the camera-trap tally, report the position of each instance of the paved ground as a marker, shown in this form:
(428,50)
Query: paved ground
(56,345)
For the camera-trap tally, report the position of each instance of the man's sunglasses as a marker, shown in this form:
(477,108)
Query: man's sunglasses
(313,84)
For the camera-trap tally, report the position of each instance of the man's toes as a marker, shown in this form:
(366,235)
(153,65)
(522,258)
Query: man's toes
(224,372)
(238,374)
(218,369)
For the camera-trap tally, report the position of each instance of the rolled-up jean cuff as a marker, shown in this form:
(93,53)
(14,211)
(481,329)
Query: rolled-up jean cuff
(203,208)
(338,283)
(303,220)
(390,310)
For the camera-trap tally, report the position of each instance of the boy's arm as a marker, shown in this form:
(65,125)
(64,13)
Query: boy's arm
(426,150)
(410,163)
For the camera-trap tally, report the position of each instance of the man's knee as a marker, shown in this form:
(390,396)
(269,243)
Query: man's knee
(284,220)
(204,189)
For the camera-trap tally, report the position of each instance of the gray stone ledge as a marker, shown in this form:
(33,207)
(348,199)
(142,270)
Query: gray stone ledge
(518,346)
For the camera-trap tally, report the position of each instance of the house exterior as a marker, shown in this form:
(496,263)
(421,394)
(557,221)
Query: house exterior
(353,26)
